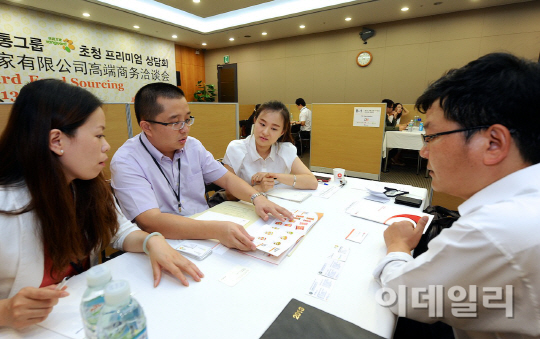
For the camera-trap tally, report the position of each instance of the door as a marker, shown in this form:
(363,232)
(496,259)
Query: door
(227,83)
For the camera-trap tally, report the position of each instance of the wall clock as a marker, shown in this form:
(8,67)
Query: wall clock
(364,58)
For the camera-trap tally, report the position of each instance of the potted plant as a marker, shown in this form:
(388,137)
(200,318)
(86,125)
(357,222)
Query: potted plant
(206,93)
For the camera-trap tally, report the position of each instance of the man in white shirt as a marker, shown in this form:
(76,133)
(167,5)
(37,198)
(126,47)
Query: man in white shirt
(305,123)
(305,117)
(481,276)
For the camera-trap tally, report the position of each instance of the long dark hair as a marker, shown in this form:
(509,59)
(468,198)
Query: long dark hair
(73,219)
(279,107)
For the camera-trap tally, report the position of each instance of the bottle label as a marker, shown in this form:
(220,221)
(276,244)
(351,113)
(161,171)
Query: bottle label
(116,324)
(129,332)
(91,311)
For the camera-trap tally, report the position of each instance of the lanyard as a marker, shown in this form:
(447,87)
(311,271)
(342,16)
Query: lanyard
(177,195)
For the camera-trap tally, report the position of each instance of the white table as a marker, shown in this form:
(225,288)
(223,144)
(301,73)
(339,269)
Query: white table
(402,139)
(211,309)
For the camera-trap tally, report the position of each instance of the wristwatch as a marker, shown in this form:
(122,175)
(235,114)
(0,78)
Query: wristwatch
(256,195)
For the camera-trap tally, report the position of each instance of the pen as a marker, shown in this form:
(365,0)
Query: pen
(61,284)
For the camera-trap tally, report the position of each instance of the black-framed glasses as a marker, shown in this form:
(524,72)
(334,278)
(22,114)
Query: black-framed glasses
(429,137)
(393,192)
(176,126)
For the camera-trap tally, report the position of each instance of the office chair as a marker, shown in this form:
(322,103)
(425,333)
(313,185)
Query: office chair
(304,141)
(211,187)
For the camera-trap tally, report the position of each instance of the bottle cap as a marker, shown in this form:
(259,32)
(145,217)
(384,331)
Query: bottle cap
(117,293)
(98,275)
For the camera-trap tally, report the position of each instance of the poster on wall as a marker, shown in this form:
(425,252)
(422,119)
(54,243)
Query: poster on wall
(111,63)
(367,116)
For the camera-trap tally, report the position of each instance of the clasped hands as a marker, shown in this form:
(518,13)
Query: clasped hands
(263,181)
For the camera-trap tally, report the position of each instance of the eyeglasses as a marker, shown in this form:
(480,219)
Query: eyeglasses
(176,126)
(429,137)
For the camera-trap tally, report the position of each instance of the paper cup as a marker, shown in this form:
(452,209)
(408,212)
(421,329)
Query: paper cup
(339,174)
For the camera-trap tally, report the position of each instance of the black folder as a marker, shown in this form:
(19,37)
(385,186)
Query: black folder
(299,320)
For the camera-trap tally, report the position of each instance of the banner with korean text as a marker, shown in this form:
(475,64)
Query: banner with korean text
(111,63)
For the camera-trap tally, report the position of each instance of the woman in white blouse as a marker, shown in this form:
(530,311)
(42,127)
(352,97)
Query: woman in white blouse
(269,154)
(56,209)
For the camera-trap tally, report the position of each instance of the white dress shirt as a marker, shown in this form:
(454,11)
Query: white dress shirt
(244,159)
(495,243)
(305,115)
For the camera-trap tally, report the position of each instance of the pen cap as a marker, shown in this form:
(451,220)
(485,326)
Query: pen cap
(117,293)
(98,275)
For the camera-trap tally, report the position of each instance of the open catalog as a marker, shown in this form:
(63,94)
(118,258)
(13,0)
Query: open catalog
(385,213)
(274,239)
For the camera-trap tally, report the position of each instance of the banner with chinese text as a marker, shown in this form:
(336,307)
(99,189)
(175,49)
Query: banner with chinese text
(111,63)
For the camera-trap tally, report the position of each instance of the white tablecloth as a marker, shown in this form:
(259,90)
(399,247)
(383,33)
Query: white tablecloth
(402,139)
(212,309)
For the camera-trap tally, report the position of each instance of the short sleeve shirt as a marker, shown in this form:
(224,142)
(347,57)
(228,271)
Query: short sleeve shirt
(139,185)
(305,115)
(244,159)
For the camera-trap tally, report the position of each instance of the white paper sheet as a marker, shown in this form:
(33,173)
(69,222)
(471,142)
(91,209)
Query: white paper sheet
(209,215)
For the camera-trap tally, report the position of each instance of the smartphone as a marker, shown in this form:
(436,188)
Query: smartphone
(323,179)
(403,200)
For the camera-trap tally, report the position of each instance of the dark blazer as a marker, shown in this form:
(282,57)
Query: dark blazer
(391,126)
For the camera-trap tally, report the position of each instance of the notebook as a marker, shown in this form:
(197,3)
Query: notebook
(289,194)
(299,320)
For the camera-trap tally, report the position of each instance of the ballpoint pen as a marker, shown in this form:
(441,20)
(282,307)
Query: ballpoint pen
(61,284)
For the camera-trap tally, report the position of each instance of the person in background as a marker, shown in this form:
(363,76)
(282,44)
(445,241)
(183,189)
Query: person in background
(304,119)
(56,218)
(251,120)
(400,111)
(391,124)
(482,143)
(268,154)
(390,119)
(159,175)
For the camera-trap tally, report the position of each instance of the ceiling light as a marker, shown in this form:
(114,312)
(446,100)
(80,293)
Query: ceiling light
(348,19)
(204,43)
(231,39)
(136,26)
(264,11)
(196,1)
(264,33)
(405,9)
(86,14)
(302,26)
(175,36)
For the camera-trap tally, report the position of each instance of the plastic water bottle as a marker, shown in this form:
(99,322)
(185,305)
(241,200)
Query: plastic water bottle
(410,127)
(421,128)
(92,301)
(122,316)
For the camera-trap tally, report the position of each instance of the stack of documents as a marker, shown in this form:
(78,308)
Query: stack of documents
(376,193)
